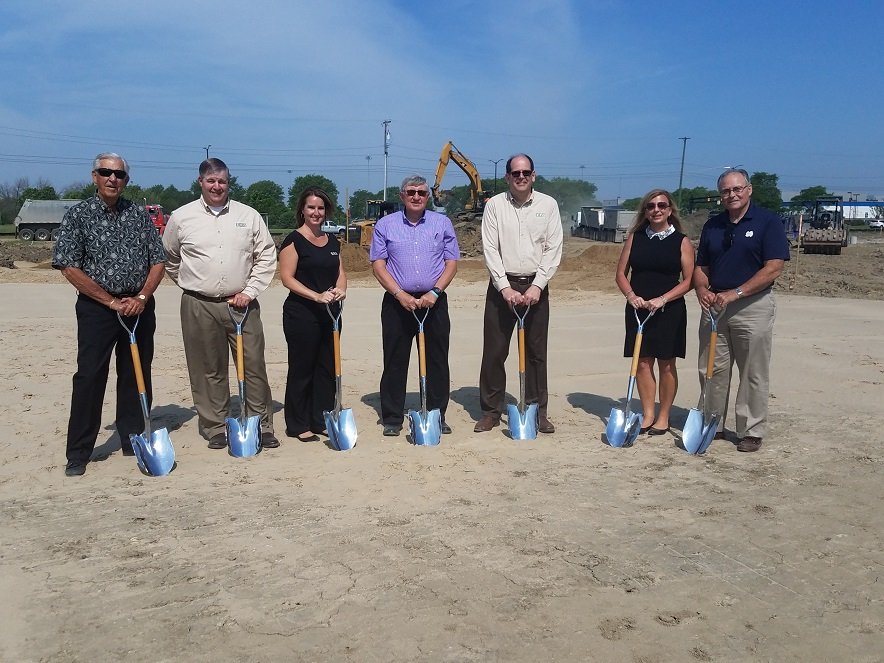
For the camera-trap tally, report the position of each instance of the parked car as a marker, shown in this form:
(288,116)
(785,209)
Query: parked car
(332,228)
(877,224)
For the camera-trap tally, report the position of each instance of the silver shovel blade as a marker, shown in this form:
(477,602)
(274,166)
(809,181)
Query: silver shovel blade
(244,440)
(697,434)
(156,457)
(426,427)
(523,425)
(341,428)
(623,428)
(709,431)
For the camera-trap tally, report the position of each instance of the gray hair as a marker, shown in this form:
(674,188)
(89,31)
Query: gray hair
(412,180)
(733,171)
(96,162)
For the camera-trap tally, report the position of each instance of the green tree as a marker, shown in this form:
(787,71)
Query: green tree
(569,193)
(305,181)
(79,191)
(765,191)
(631,203)
(807,196)
(698,197)
(266,197)
(39,192)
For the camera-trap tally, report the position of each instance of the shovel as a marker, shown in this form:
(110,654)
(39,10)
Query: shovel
(522,419)
(699,430)
(153,449)
(426,427)
(243,434)
(340,424)
(623,427)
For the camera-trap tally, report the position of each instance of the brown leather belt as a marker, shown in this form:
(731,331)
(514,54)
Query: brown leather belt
(206,298)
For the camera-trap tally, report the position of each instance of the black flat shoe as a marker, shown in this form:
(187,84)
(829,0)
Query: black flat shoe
(642,431)
(659,431)
(304,437)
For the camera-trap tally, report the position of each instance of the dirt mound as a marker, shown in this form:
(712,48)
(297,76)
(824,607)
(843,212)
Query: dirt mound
(36,252)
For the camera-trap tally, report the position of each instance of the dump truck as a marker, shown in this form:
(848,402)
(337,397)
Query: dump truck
(41,219)
(603,224)
(825,231)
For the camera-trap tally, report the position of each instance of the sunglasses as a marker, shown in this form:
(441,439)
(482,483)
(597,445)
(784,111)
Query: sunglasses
(521,173)
(652,206)
(736,190)
(107,172)
(729,236)
(416,192)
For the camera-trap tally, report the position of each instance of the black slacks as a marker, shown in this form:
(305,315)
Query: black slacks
(498,331)
(98,334)
(399,329)
(310,382)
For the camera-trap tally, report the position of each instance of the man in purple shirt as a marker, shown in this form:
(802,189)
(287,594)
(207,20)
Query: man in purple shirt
(414,256)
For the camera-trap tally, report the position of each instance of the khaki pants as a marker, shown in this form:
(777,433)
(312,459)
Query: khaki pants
(745,337)
(209,334)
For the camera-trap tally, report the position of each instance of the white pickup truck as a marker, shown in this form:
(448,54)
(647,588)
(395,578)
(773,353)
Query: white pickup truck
(332,228)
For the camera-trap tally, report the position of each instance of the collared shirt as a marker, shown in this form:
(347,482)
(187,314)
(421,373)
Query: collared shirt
(734,252)
(114,247)
(219,254)
(663,234)
(522,239)
(415,253)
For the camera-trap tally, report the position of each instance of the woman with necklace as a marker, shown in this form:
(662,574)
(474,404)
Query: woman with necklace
(654,272)
(310,267)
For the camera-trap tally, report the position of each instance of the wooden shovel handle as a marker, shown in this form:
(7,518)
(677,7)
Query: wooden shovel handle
(710,362)
(635,350)
(422,354)
(336,337)
(521,349)
(136,363)
(240,359)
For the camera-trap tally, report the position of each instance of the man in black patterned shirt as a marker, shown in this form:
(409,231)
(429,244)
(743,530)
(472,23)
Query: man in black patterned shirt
(110,251)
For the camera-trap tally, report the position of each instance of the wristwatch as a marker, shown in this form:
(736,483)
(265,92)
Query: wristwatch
(738,292)
(436,291)
(142,297)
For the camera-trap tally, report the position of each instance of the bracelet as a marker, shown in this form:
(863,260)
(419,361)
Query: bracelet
(397,292)
(630,294)
(663,297)
(111,305)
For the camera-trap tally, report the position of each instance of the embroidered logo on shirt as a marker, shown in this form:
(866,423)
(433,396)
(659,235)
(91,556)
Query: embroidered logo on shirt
(540,214)
(333,253)
(241,225)
(749,233)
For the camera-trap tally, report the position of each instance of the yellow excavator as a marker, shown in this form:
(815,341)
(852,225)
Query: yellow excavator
(476,203)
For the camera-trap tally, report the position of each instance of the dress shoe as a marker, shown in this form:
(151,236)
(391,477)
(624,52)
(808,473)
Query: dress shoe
(645,429)
(749,444)
(270,441)
(75,469)
(486,423)
(720,435)
(446,429)
(392,431)
(544,425)
(218,441)
(658,431)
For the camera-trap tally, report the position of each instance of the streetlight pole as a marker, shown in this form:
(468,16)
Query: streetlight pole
(386,124)
(207,151)
(495,162)
(684,146)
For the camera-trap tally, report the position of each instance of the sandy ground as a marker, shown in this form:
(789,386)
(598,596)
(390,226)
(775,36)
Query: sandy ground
(480,549)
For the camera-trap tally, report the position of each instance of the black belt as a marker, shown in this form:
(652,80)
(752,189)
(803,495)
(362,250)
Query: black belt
(521,280)
(206,298)
(120,295)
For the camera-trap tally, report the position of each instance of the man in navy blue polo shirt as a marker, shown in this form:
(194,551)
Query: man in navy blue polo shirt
(742,251)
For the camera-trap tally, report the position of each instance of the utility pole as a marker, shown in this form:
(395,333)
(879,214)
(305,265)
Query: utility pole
(386,124)
(368,169)
(207,151)
(582,172)
(684,145)
(495,162)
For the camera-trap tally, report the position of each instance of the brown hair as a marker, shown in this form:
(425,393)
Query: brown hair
(641,220)
(302,200)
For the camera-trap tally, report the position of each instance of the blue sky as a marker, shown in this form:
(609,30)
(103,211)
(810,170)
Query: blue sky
(596,89)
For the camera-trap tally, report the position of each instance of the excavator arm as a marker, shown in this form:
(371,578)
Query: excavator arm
(451,153)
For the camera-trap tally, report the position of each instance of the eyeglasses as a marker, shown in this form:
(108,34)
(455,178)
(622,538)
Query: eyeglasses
(736,190)
(521,173)
(107,172)
(416,192)
(652,206)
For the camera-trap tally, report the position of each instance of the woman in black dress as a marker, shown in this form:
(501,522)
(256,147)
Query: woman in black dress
(310,267)
(654,273)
